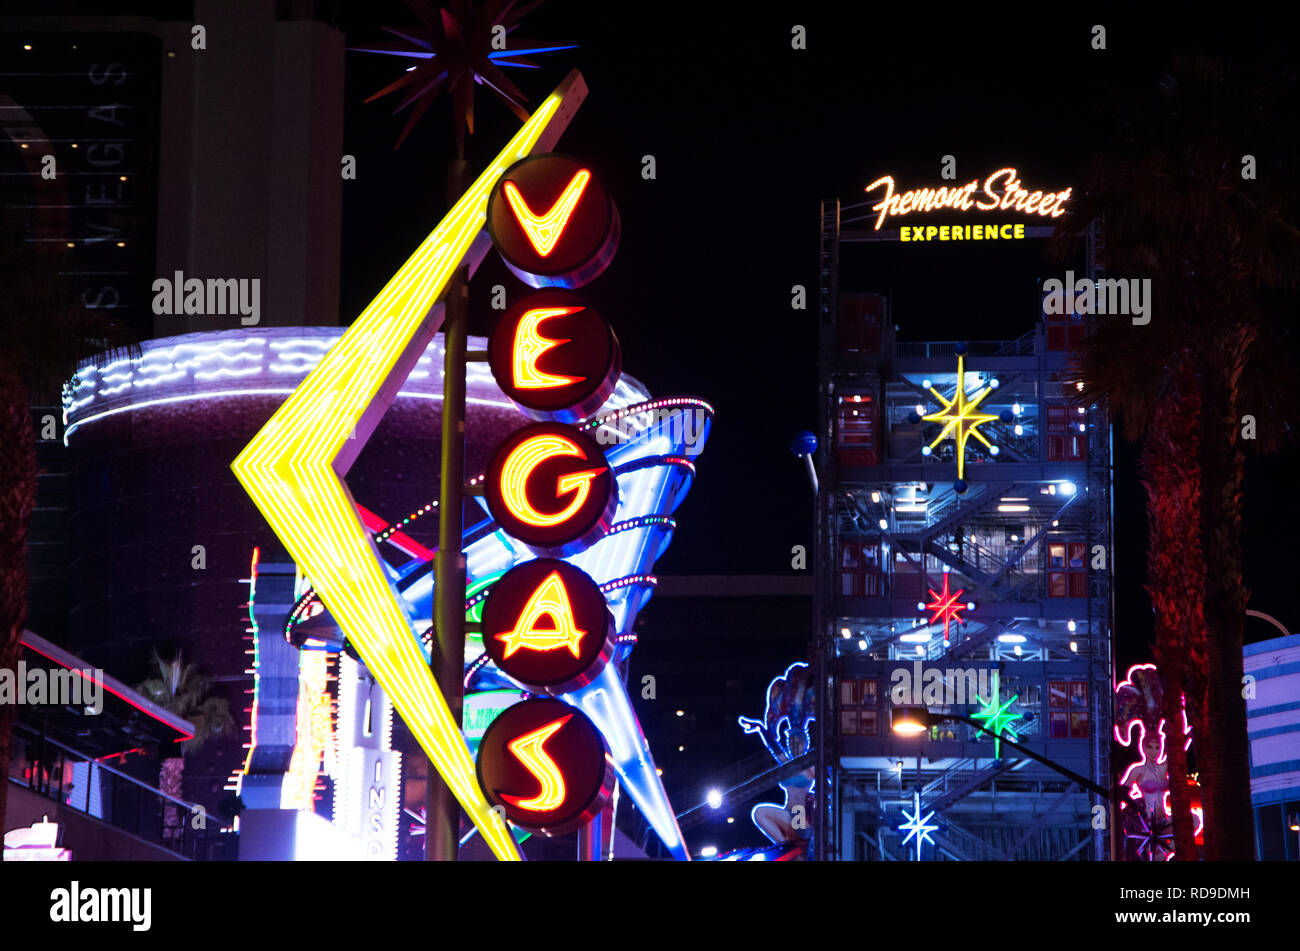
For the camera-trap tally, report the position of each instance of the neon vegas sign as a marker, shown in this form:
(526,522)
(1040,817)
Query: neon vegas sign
(1002,191)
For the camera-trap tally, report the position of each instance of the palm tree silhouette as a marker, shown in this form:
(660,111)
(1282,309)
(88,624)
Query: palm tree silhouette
(46,332)
(184,690)
(1176,208)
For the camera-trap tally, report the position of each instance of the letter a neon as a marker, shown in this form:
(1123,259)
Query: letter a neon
(551,599)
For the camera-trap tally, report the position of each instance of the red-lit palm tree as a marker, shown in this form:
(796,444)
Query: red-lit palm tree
(45,332)
(17,499)
(1218,248)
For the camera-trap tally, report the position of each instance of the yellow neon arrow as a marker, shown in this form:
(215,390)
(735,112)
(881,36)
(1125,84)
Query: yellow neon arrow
(293,469)
(544,230)
(529,749)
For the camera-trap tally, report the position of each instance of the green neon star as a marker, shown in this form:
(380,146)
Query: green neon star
(997,716)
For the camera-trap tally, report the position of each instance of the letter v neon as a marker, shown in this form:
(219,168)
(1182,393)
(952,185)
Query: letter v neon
(543,231)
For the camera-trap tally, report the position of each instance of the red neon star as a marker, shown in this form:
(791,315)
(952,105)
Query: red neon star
(946,606)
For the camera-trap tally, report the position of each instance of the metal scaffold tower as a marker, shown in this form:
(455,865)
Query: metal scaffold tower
(963,541)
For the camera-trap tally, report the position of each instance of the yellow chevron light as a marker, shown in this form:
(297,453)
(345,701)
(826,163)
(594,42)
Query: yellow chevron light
(293,471)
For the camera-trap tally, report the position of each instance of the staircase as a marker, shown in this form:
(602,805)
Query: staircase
(963,845)
(962,780)
(1010,585)
(955,509)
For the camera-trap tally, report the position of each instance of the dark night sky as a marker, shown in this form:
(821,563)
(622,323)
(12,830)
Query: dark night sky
(748,136)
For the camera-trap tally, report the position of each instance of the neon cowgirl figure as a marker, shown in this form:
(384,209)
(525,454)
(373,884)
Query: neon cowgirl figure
(785,730)
(1141,726)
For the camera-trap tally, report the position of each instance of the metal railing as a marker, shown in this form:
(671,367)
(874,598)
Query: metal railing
(81,783)
(931,349)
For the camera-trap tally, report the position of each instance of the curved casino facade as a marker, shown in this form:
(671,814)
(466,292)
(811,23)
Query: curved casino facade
(151,437)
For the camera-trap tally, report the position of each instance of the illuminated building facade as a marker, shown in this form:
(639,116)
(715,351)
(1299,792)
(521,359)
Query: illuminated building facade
(1273,722)
(151,178)
(195,400)
(963,566)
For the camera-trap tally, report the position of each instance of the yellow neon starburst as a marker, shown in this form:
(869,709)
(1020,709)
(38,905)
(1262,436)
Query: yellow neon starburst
(960,418)
(294,467)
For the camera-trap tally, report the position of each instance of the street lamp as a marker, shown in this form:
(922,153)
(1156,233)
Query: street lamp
(910,721)
(804,445)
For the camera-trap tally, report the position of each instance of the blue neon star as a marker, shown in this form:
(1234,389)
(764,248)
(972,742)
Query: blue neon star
(917,827)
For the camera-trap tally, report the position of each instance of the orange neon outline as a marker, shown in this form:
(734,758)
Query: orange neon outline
(526,457)
(543,231)
(528,749)
(550,598)
(529,345)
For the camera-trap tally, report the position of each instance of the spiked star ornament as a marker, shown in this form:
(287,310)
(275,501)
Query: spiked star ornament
(947,607)
(961,420)
(997,716)
(459,46)
(917,827)
(1151,839)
